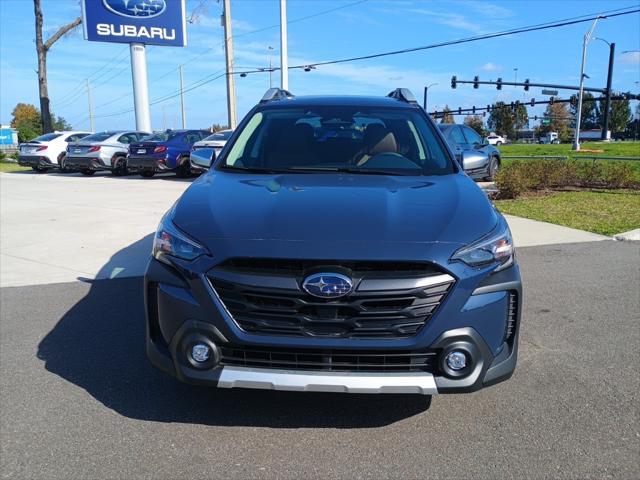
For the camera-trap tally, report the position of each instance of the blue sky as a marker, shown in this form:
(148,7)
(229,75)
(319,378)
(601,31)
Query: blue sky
(357,29)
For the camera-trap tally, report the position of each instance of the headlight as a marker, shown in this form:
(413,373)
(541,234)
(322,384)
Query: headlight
(497,247)
(170,241)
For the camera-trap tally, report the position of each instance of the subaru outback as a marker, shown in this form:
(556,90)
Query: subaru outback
(335,245)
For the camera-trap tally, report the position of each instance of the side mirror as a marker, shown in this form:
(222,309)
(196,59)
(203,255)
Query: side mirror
(472,159)
(202,158)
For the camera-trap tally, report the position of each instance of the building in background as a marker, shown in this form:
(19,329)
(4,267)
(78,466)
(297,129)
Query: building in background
(8,138)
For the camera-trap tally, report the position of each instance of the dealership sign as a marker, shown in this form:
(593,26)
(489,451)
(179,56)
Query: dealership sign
(152,22)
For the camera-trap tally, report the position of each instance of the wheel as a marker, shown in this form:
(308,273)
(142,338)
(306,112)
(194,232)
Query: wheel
(86,172)
(184,169)
(498,143)
(494,166)
(147,173)
(62,163)
(119,167)
(39,169)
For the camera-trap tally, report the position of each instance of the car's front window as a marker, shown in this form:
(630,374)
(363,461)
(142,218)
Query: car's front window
(339,138)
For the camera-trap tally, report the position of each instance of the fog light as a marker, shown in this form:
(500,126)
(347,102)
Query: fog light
(456,360)
(201,352)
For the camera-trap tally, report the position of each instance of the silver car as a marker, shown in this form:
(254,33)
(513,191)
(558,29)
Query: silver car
(213,143)
(101,151)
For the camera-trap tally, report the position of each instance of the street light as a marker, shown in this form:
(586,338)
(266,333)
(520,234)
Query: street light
(585,42)
(426,90)
(607,101)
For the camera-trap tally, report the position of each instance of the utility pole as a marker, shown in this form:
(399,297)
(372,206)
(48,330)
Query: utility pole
(90,107)
(607,102)
(284,54)
(184,118)
(585,43)
(228,48)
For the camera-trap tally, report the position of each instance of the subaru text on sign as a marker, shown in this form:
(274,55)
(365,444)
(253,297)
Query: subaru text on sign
(152,22)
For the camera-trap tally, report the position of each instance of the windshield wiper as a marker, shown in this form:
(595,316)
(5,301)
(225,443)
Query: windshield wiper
(253,169)
(364,171)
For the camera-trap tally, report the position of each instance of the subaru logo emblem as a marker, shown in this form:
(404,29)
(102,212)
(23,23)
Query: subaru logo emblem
(327,285)
(136,8)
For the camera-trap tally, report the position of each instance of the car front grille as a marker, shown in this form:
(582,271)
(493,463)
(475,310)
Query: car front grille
(390,300)
(329,360)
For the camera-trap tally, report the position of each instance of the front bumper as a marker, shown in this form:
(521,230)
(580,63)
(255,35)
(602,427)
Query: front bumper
(35,161)
(149,164)
(181,309)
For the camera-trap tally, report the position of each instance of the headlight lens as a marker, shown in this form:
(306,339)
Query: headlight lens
(497,247)
(171,241)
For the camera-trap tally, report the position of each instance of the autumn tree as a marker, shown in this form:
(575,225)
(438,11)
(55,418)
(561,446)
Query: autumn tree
(26,120)
(42,49)
(559,120)
(477,123)
(447,117)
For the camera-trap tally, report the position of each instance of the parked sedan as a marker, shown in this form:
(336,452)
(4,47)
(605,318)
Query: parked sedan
(164,152)
(480,160)
(46,151)
(214,143)
(101,151)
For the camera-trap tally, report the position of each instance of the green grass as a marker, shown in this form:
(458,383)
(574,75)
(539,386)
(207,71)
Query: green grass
(612,149)
(605,212)
(11,167)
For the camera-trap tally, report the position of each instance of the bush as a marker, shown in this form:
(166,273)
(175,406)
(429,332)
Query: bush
(511,181)
(618,175)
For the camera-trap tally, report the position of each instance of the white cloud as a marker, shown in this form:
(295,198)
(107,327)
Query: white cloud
(491,67)
(630,58)
(453,20)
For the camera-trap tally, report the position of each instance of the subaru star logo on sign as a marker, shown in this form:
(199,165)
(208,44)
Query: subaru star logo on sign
(327,285)
(152,22)
(136,8)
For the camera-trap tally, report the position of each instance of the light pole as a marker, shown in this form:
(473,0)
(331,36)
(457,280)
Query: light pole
(270,66)
(426,90)
(607,101)
(585,43)
(516,75)
(284,53)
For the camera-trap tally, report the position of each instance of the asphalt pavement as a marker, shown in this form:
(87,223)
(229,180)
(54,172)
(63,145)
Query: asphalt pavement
(79,400)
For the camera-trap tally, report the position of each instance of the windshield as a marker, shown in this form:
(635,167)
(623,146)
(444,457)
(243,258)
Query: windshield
(339,138)
(98,137)
(47,137)
(160,137)
(220,136)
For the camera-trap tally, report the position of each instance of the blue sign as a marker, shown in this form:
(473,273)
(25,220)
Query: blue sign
(152,22)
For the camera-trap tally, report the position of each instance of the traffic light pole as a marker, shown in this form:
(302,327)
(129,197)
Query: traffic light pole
(607,101)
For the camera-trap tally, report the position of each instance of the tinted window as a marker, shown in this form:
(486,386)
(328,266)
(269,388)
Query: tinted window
(337,137)
(128,138)
(455,136)
(220,136)
(192,137)
(472,136)
(99,137)
(47,137)
(161,137)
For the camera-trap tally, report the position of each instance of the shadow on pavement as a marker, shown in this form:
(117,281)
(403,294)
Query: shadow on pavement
(99,345)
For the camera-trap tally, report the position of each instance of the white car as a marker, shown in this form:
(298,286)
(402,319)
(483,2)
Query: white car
(45,152)
(495,139)
(214,142)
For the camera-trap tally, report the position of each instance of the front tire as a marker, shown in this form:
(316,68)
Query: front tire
(184,169)
(498,143)
(492,169)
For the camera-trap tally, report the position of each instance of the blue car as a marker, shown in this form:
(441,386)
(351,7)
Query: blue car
(335,245)
(164,152)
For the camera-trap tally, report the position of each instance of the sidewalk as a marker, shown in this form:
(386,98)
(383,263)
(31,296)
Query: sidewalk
(530,233)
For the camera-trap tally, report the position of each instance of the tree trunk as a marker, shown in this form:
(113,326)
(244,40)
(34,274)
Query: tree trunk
(43,90)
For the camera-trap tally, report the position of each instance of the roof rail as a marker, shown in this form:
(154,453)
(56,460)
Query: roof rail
(275,94)
(404,95)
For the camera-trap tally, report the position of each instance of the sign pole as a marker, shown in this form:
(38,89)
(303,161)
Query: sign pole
(140,86)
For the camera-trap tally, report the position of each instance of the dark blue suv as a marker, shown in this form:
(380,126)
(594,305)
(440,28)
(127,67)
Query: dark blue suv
(335,245)
(164,152)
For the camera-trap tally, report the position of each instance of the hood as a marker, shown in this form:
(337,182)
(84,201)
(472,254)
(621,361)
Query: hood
(317,208)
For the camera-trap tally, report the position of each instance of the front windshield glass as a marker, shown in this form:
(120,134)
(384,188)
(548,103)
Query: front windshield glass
(339,138)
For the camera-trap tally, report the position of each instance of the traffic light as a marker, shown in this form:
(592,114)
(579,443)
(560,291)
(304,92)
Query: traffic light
(526,85)
(512,106)
(499,83)
(476,79)
(551,99)
(459,111)
(474,109)
(488,108)
(454,81)
(533,102)
(573,101)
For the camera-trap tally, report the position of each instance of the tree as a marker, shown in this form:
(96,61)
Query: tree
(447,117)
(620,116)
(476,122)
(559,120)
(505,121)
(26,120)
(590,112)
(42,49)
